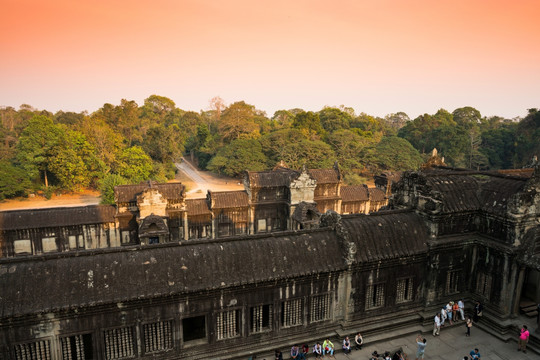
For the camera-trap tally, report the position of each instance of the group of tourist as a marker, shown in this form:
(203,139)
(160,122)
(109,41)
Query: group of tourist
(320,350)
(450,312)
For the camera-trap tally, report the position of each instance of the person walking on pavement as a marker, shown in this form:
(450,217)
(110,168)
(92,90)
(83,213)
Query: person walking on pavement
(468,324)
(436,325)
(421,347)
(523,339)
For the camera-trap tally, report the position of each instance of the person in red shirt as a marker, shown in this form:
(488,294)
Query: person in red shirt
(523,339)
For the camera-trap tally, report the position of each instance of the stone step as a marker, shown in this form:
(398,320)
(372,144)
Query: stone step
(531,314)
(526,303)
(528,308)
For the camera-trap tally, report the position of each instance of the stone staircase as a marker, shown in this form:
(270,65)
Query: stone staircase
(528,308)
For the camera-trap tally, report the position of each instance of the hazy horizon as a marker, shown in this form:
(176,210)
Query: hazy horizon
(378,57)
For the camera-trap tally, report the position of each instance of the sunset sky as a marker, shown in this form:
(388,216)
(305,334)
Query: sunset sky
(377,56)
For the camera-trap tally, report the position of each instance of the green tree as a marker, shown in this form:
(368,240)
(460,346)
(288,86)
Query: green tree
(240,121)
(350,148)
(309,123)
(36,146)
(164,144)
(13,181)
(275,144)
(106,187)
(315,154)
(133,164)
(240,155)
(75,164)
(527,138)
(499,146)
(333,119)
(394,153)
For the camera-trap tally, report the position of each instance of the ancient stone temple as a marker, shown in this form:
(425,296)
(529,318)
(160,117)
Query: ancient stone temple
(131,282)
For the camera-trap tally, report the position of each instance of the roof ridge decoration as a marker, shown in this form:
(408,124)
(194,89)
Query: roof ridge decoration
(333,220)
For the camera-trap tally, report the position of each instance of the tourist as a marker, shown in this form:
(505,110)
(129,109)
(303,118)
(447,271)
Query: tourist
(436,325)
(358,341)
(478,309)
(278,355)
(295,352)
(387,355)
(461,306)
(523,339)
(328,347)
(374,355)
(474,354)
(318,351)
(304,352)
(449,312)
(421,347)
(346,345)
(444,315)
(455,310)
(468,325)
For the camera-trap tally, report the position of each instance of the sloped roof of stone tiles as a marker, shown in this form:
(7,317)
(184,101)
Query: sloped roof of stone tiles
(376,194)
(526,173)
(274,178)
(496,193)
(128,193)
(119,275)
(197,207)
(228,199)
(386,235)
(51,217)
(354,193)
(458,192)
(325,176)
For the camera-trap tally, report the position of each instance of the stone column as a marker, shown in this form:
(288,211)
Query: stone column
(517,293)
(185,224)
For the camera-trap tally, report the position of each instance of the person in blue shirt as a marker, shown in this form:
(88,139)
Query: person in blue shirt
(474,354)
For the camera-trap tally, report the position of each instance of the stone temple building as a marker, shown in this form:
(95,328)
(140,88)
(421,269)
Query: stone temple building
(159,276)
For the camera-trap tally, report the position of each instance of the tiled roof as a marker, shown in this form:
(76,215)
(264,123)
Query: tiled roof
(228,199)
(325,176)
(274,178)
(376,194)
(52,217)
(386,235)
(128,193)
(107,276)
(197,207)
(354,193)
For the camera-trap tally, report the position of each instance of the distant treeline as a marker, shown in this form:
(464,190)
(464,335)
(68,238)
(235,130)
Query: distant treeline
(128,143)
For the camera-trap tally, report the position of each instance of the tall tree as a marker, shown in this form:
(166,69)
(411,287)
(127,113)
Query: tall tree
(333,119)
(134,165)
(394,153)
(36,146)
(309,123)
(240,155)
(238,121)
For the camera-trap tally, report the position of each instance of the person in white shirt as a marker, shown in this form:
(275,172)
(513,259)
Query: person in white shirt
(436,325)
(461,309)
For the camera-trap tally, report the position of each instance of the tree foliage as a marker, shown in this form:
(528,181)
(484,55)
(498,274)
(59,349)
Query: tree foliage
(240,155)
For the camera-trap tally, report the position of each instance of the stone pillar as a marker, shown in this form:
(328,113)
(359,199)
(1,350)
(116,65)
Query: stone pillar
(185,225)
(251,216)
(518,289)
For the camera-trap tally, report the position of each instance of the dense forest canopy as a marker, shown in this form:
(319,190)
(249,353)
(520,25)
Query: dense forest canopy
(129,143)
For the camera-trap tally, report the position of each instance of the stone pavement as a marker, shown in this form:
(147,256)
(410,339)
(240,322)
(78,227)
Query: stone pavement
(452,344)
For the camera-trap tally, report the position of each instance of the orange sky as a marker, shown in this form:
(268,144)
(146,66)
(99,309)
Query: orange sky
(377,56)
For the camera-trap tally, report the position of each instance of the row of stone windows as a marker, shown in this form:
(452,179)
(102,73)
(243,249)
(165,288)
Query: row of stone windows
(375,293)
(48,244)
(158,337)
